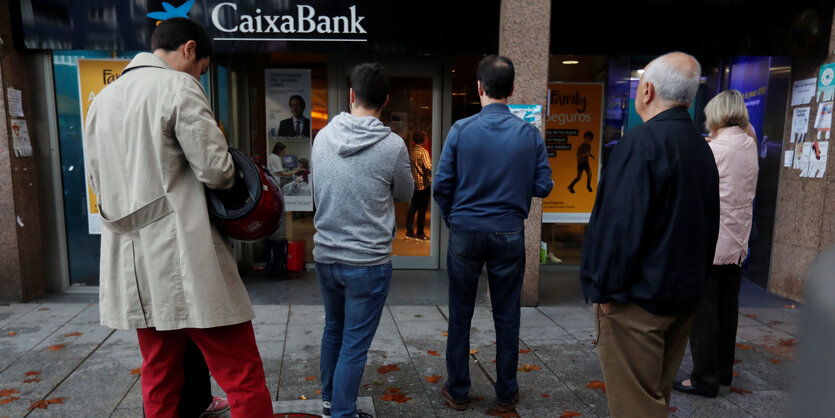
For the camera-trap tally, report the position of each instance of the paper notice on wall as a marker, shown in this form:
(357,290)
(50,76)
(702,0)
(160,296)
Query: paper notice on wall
(823,122)
(528,113)
(826,83)
(817,162)
(803,91)
(805,161)
(20,138)
(798,154)
(787,161)
(800,124)
(15,103)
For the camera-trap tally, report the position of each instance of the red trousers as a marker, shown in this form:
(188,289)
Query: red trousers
(231,355)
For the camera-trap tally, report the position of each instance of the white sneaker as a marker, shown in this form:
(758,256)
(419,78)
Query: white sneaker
(326,409)
(554,259)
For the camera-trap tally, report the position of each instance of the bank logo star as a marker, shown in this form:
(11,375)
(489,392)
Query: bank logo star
(171,11)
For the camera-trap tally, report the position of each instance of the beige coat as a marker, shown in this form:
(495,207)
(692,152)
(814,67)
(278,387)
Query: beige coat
(150,143)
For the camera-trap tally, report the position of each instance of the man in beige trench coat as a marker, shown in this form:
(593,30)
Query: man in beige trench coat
(151,143)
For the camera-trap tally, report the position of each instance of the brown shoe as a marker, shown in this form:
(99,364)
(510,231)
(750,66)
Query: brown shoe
(508,406)
(452,403)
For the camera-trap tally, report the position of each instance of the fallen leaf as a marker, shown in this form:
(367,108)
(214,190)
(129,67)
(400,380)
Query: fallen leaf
(9,400)
(445,334)
(774,361)
(302,397)
(32,380)
(735,374)
(394,395)
(743,346)
(596,384)
(521,351)
(310,378)
(478,397)
(545,395)
(57,347)
(418,316)
(43,309)
(494,412)
(570,414)
(388,368)
(42,404)
(137,371)
(673,409)
(72,334)
(752,315)
(494,360)
(434,353)
(528,367)
(433,379)
(740,391)
(8,392)
(318,391)
(32,373)
(377,384)
(737,361)
(11,334)
(789,306)
(473,351)
(775,322)
(788,343)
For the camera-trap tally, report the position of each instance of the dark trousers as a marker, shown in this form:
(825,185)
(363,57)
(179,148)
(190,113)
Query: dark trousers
(581,168)
(713,333)
(504,253)
(420,202)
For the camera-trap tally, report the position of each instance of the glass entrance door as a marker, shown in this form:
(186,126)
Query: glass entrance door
(413,113)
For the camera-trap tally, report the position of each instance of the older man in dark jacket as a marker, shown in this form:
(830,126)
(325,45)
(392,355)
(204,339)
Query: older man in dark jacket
(650,241)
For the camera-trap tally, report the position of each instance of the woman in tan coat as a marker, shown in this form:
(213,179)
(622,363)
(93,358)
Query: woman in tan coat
(151,144)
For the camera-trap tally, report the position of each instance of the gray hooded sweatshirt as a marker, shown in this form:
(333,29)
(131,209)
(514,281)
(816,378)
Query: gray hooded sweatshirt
(359,169)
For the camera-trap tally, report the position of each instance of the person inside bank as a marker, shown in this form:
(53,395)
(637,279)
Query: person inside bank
(297,125)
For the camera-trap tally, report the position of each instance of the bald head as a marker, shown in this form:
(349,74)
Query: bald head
(675,77)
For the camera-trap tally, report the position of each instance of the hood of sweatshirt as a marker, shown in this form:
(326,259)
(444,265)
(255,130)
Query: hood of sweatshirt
(357,133)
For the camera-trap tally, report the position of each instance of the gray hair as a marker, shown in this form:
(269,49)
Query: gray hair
(673,81)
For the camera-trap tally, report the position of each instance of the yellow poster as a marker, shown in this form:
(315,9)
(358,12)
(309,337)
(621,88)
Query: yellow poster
(573,126)
(93,76)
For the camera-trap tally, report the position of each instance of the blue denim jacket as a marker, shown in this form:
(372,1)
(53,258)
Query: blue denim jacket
(491,166)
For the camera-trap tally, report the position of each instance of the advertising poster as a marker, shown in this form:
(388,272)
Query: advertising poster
(20,138)
(289,135)
(528,113)
(573,126)
(749,75)
(826,86)
(93,76)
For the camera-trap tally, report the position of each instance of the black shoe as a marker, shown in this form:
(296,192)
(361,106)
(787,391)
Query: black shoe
(507,406)
(695,390)
(452,403)
(410,235)
(422,237)
(361,414)
(326,409)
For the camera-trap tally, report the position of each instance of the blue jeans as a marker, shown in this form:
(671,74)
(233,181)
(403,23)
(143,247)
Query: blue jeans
(504,253)
(354,297)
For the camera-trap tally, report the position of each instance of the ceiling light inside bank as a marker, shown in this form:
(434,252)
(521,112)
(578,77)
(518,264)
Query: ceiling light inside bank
(570,62)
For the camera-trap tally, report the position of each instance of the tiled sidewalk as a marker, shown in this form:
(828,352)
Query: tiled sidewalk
(57,351)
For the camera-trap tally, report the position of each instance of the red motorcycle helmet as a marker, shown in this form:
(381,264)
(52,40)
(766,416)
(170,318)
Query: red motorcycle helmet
(253,208)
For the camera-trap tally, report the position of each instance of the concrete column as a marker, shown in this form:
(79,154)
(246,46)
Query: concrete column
(803,224)
(21,263)
(524,37)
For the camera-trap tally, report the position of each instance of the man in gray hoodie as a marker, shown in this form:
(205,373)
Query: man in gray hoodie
(359,168)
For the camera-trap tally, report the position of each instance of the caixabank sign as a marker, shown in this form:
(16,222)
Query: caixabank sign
(256,25)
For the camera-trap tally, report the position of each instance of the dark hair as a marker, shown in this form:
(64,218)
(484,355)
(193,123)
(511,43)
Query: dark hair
(171,33)
(304,163)
(371,85)
(418,137)
(496,74)
(588,134)
(278,147)
(296,96)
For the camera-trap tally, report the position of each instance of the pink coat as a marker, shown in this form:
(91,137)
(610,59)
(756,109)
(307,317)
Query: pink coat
(736,159)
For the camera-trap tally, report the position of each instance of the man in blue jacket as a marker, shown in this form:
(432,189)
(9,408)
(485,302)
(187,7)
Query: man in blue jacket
(650,241)
(491,166)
